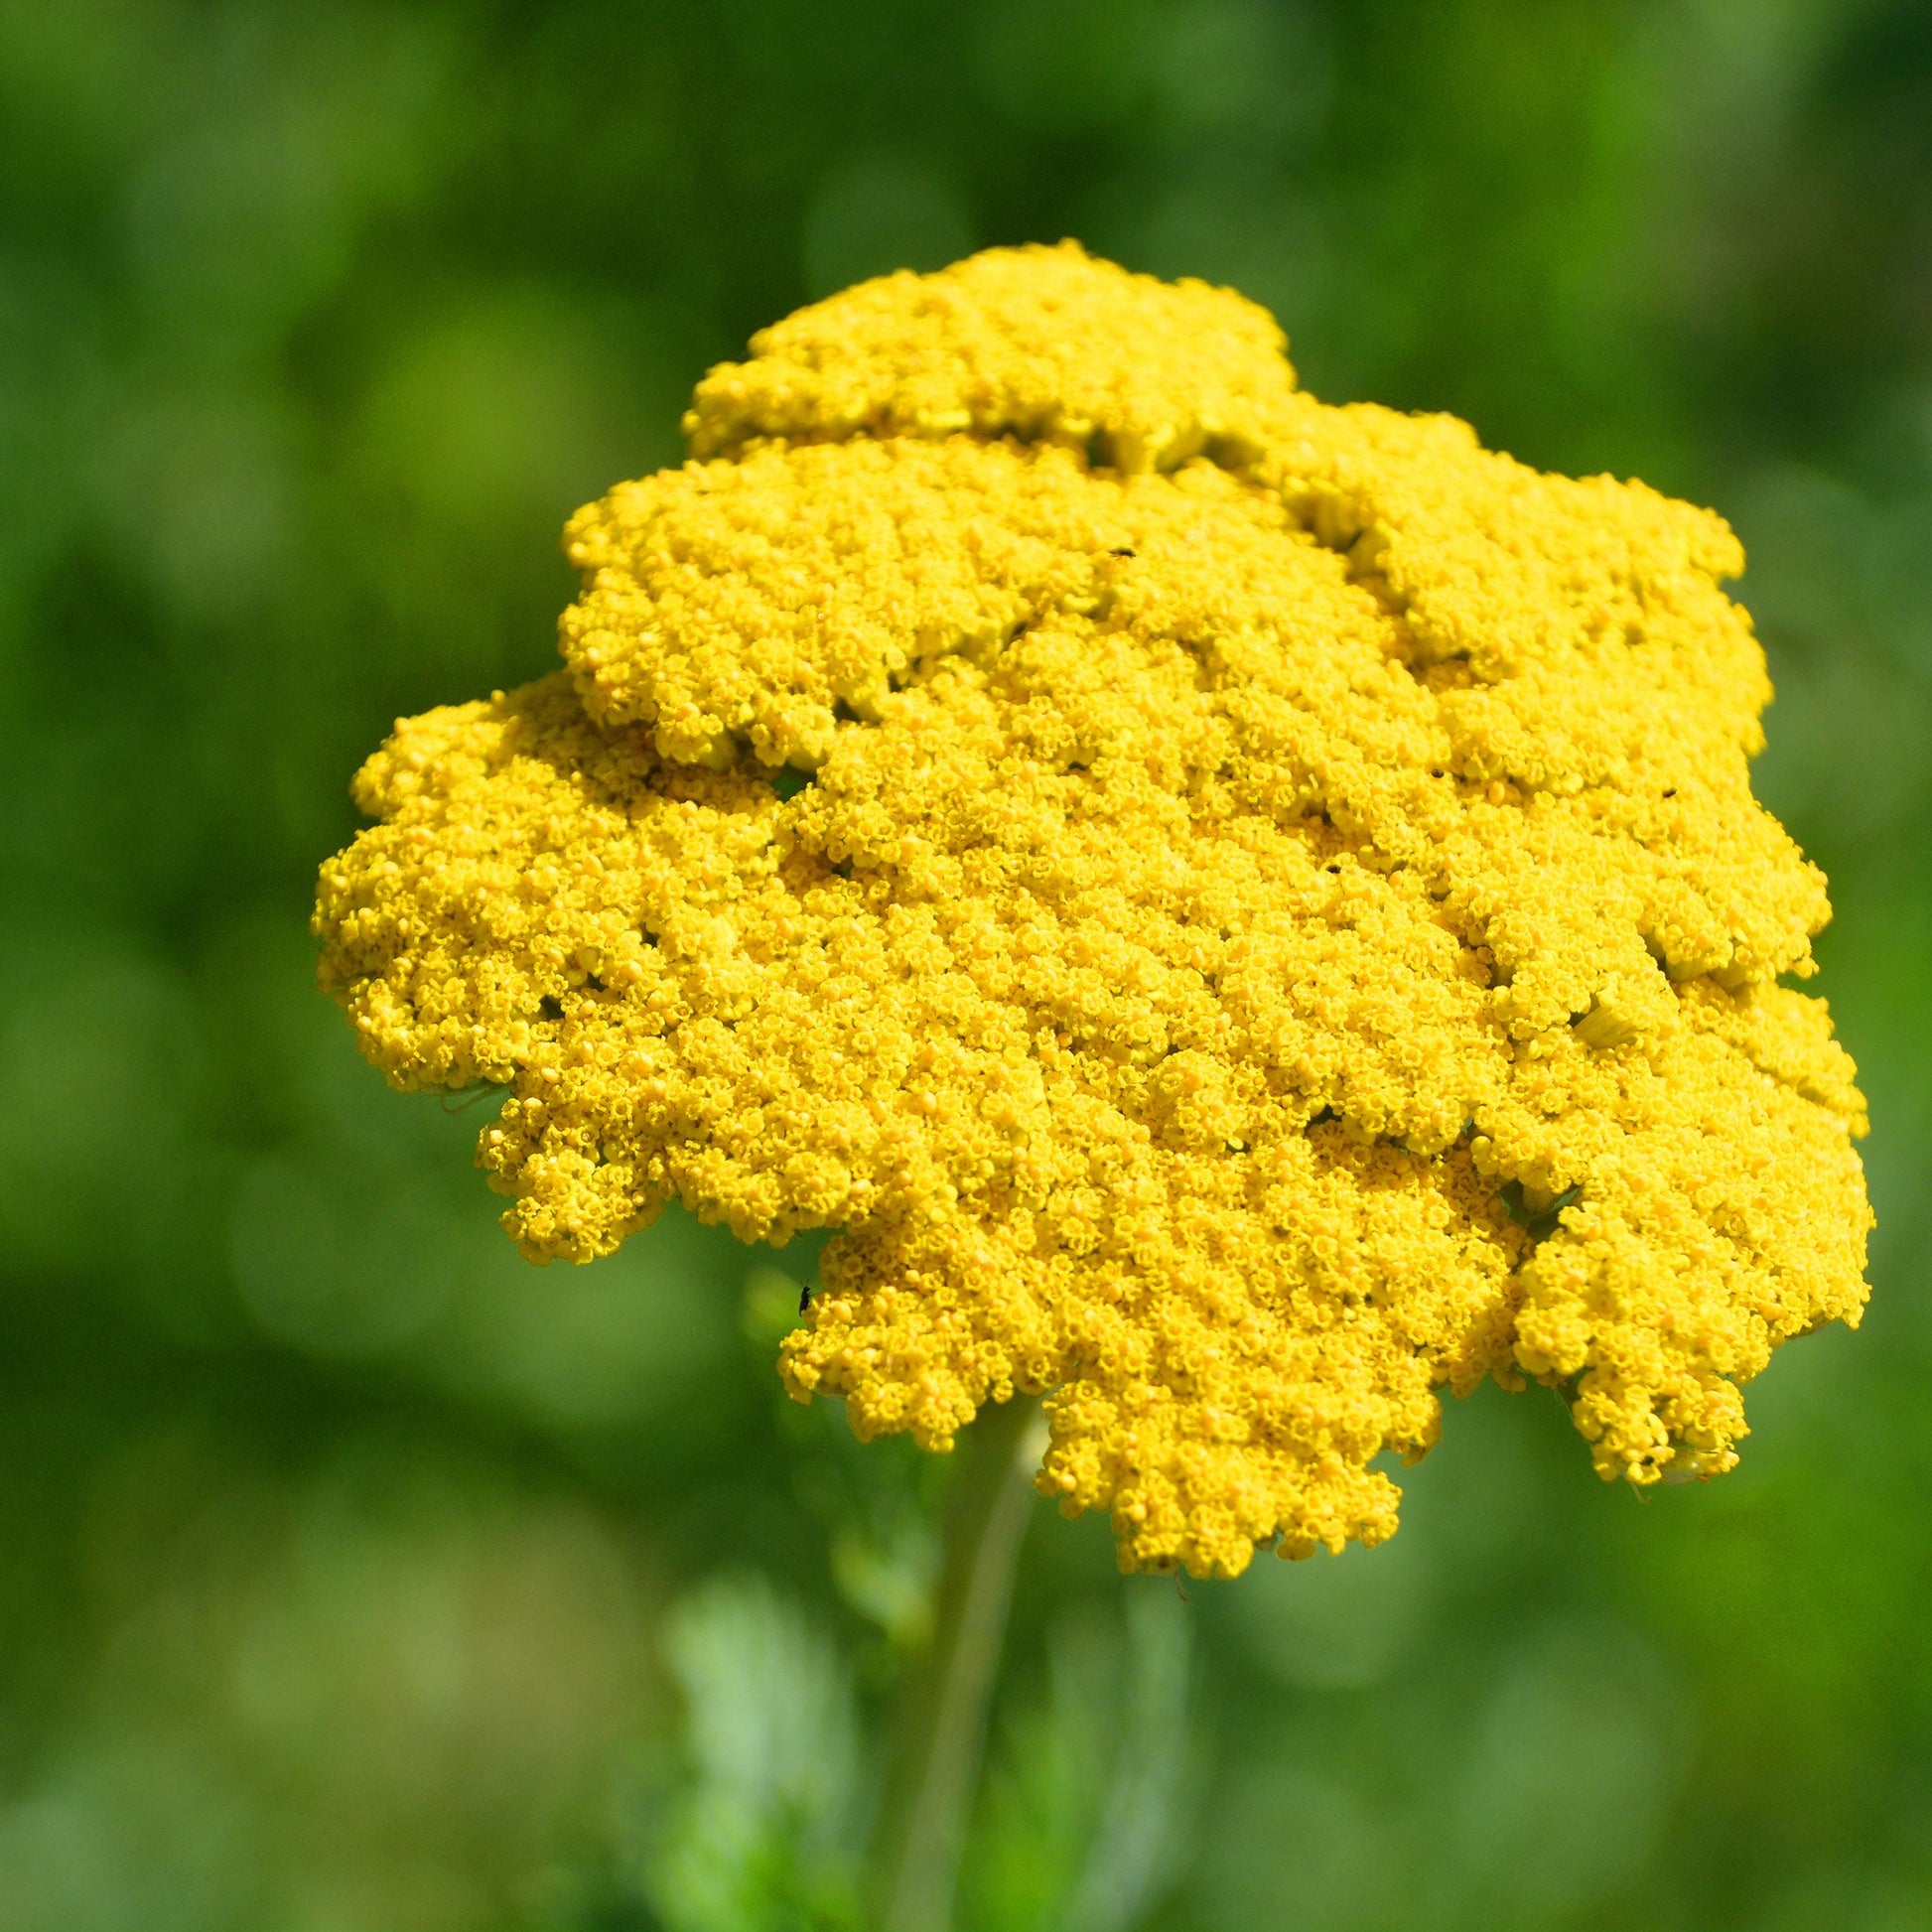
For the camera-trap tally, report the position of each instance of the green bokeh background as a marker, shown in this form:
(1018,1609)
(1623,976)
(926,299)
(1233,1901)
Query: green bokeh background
(355,1578)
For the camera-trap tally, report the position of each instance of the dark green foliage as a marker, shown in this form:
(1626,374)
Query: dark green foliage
(1537,1222)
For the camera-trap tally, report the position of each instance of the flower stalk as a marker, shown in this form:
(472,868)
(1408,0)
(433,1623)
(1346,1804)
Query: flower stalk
(935,1771)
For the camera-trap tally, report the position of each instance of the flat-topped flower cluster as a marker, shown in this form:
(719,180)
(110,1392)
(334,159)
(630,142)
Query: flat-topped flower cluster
(1243,912)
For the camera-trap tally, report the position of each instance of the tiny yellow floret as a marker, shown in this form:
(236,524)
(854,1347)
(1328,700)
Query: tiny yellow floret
(1243,913)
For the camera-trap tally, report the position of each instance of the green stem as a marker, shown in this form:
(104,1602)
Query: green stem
(923,1826)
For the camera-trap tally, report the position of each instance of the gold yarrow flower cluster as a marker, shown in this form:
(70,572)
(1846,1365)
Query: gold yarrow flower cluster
(1242,913)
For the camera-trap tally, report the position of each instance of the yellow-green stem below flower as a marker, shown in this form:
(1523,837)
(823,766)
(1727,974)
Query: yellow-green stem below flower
(936,1770)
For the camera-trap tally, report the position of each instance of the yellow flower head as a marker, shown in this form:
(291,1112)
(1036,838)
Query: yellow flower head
(1241,913)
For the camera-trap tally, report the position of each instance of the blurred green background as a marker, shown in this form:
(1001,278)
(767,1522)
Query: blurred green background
(354,1578)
